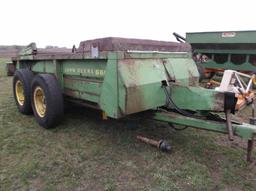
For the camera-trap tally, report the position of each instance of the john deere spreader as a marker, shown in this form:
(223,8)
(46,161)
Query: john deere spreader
(128,76)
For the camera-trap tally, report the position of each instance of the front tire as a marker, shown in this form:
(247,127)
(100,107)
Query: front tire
(47,100)
(22,90)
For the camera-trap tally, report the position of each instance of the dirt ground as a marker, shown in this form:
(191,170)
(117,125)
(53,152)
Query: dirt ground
(86,153)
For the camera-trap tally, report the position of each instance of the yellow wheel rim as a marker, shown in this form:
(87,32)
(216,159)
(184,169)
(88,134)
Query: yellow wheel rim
(39,101)
(19,90)
(254,80)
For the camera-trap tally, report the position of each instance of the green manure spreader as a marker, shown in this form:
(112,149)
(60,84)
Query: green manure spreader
(121,77)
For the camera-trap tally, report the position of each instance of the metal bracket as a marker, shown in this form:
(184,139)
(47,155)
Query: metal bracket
(94,51)
(250,149)
(229,125)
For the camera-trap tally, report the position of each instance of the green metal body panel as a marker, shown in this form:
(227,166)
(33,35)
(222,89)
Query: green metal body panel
(197,98)
(123,83)
(234,50)
(243,130)
(222,37)
(210,64)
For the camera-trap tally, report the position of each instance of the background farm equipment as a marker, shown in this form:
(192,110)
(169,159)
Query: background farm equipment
(121,77)
(219,51)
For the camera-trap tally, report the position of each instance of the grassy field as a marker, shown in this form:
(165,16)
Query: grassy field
(85,153)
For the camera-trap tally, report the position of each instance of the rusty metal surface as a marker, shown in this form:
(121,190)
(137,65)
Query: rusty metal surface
(161,144)
(134,93)
(103,45)
(124,44)
(218,102)
(50,56)
(53,51)
(193,80)
(60,56)
(149,141)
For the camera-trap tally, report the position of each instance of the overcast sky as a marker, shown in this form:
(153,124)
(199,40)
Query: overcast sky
(64,22)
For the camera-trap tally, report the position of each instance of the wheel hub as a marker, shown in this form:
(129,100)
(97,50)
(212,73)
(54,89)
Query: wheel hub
(19,90)
(40,101)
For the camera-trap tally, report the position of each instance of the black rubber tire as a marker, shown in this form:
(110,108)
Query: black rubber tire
(54,100)
(25,76)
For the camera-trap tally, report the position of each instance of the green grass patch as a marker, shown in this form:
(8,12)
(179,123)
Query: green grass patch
(85,153)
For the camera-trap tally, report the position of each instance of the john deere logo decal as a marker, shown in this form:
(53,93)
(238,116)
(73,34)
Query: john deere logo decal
(86,71)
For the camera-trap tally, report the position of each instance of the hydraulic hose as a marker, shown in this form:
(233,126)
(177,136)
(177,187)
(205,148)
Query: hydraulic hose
(181,111)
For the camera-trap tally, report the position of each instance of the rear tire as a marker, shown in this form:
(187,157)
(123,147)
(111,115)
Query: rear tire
(22,90)
(47,100)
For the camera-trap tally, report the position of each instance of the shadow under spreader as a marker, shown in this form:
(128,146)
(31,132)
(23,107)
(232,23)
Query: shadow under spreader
(78,118)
